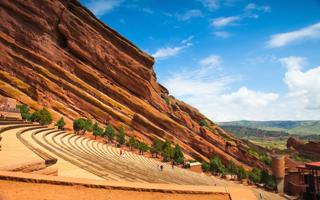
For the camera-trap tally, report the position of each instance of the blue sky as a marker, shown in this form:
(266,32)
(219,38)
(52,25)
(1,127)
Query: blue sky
(232,59)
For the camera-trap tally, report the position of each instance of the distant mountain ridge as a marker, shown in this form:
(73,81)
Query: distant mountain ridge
(291,127)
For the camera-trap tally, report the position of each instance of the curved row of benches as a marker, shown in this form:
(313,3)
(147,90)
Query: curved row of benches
(104,160)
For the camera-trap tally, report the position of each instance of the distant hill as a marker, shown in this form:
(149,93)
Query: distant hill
(292,127)
(247,132)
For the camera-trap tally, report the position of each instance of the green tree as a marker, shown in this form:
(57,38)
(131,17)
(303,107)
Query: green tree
(96,130)
(142,148)
(79,125)
(24,112)
(216,165)
(167,151)
(232,168)
(242,173)
(156,147)
(88,126)
(60,123)
(42,116)
(131,142)
(178,156)
(255,175)
(109,133)
(121,136)
(205,166)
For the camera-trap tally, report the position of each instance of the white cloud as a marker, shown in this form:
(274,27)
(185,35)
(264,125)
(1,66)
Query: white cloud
(147,10)
(101,7)
(212,61)
(166,52)
(267,58)
(211,4)
(245,97)
(263,8)
(283,39)
(190,14)
(215,95)
(201,81)
(293,63)
(225,21)
(304,85)
(185,41)
(222,34)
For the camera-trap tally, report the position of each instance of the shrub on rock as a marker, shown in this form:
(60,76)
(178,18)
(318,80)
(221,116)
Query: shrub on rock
(24,112)
(42,116)
(60,124)
(79,125)
(96,130)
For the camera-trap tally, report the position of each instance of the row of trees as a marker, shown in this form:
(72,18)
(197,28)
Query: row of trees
(42,116)
(81,126)
(255,175)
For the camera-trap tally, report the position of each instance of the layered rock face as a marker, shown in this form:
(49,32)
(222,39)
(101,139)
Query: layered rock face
(56,53)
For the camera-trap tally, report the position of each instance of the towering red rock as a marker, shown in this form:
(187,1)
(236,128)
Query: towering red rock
(56,53)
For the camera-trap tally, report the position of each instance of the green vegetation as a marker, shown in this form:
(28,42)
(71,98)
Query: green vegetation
(292,127)
(109,133)
(132,143)
(301,158)
(276,143)
(216,166)
(42,116)
(79,125)
(242,173)
(268,180)
(255,175)
(96,130)
(232,168)
(24,112)
(60,123)
(203,123)
(167,151)
(205,166)
(248,132)
(261,156)
(142,148)
(121,136)
(178,156)
(156,147)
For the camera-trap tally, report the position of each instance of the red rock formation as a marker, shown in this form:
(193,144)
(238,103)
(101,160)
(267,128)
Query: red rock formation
(309,149)
(59,55)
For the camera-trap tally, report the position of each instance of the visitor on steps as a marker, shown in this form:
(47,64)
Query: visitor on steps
(121,152)
(161,167)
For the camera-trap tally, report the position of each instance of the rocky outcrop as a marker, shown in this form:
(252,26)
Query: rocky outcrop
(59,55)
(310,149)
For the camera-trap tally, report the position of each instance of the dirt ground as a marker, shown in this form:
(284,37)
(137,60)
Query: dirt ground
(11,190)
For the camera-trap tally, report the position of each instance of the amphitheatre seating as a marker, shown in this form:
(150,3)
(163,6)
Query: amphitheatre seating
(100,159)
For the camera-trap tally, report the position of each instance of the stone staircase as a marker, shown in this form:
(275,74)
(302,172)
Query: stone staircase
(100,159)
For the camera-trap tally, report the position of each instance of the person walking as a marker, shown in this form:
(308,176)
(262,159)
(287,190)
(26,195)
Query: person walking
(161,167)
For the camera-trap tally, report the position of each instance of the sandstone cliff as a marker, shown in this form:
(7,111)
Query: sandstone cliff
(56,53)
(310,149)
